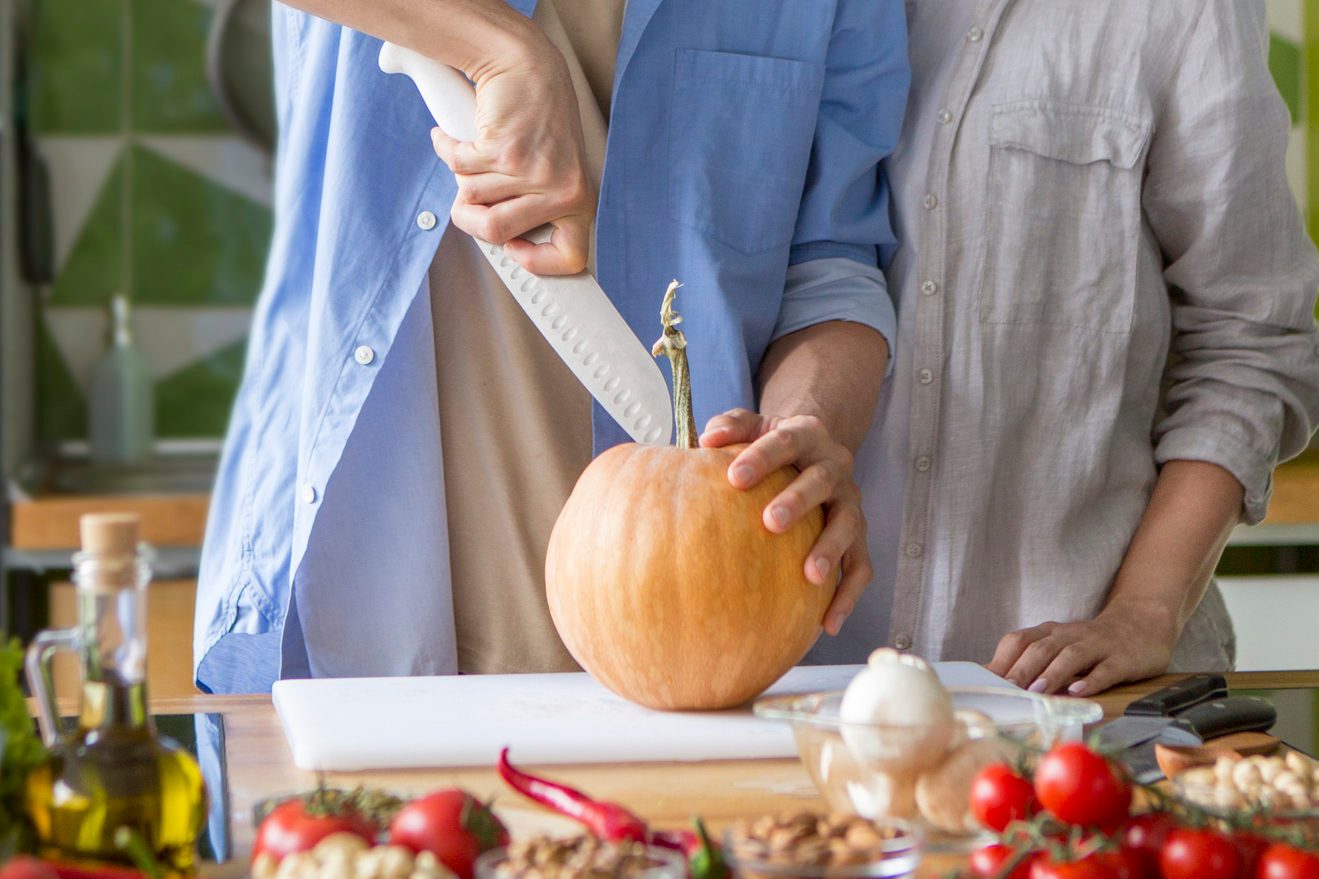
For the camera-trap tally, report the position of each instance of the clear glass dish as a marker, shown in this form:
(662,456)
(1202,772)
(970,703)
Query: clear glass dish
(668,864)
(1261,810)
(898,858)
(867,769)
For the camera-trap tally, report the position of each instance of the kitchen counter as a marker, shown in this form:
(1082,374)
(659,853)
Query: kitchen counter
(260,766)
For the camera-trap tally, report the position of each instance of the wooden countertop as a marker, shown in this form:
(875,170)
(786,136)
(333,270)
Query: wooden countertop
(51,521)
(260,766)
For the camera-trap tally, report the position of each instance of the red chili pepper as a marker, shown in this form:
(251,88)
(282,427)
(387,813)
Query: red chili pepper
(607,821)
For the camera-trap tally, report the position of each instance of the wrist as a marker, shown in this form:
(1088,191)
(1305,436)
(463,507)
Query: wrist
(510,42)
(1148,614)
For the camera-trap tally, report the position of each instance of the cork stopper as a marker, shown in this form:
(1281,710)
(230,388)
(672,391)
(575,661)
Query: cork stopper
(109,534)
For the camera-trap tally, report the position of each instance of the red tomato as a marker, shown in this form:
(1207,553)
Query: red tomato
(988,862)
(1281,861)
(1078,786)
(294,827)
(25,867)
(1251,847)
(1199,853)
(1142,838)
(1090,867)
(1000,796)
(453,825)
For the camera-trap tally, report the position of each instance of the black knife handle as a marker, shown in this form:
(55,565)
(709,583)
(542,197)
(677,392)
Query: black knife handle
(1221,717)
(1178,697)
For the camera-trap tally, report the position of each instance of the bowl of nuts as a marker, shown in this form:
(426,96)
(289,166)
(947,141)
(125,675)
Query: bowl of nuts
(810,845)
(580,857)
(1283,787)
(919,767)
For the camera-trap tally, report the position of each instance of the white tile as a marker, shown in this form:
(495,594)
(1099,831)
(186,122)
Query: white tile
(230,162)
(1275,621)
(1287,19)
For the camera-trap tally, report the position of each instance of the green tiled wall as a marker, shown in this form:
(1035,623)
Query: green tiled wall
(154,196)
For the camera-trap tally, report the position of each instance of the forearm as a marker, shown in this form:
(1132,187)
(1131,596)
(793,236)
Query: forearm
(1172,557)
(475,36)
(832,370)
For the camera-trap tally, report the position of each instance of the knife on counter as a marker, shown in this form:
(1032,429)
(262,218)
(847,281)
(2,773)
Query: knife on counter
(571,311)
(1190,712)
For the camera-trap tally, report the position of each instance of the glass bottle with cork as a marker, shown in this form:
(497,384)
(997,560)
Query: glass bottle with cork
(111,778)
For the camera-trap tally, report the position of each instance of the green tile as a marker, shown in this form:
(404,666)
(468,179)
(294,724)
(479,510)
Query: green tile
(94,270)
(195,401)
(195,242)
(61,410)
(1286,62)
(77,81)
(170,91)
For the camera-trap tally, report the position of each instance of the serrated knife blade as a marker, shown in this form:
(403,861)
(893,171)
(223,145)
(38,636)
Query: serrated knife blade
(572,312)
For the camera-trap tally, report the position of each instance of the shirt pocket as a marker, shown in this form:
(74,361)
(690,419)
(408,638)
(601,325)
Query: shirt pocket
(741,129)
(1063,216)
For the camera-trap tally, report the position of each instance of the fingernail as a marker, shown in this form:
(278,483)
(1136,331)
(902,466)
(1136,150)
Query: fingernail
(836,623)
(742,474)
(1039,686)
(1078,688)
(780,515)
(822,568)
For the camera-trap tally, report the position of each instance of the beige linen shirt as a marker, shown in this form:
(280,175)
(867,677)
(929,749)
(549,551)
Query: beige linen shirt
(507,475)
(1103,270)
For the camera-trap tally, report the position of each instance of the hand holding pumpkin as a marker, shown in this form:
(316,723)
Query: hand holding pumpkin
(825,480)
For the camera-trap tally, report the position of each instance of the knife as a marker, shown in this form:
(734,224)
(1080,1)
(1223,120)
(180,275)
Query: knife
(1196,710)
(571,311)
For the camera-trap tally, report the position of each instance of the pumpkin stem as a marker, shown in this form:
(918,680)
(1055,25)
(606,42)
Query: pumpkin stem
(673,344)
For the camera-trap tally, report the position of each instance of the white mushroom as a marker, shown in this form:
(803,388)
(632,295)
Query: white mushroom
(896,714)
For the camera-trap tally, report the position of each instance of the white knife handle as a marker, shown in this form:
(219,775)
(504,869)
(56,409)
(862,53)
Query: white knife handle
(571,312)
(451,101)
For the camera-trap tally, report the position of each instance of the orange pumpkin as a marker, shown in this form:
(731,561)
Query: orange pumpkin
(664,582)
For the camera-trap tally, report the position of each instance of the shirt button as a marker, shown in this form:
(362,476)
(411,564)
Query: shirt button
(913,550)
(364,354)
(975,35)
(945,117)
(931,202)
(309,494)
(902,642)
(426,220)
(925,376)
(929,288)
(922,463)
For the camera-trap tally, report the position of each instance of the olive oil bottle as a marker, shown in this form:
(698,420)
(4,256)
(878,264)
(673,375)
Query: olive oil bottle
(112,777)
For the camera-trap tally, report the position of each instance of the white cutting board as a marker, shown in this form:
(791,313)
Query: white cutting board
(348,724)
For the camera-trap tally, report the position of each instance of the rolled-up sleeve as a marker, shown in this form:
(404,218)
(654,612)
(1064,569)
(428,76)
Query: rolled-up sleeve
(844,210)
(1242,387)
(837,289)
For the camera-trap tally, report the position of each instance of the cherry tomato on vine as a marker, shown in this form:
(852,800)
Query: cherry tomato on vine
(1142,837)
(1078,786)
(1199,853)
(1282,861)
(1090,867)
(1000,796)
(989,862)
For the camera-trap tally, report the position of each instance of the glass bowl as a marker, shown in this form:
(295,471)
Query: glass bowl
(1202,790)
(667,864)
(897,858)
(923,773)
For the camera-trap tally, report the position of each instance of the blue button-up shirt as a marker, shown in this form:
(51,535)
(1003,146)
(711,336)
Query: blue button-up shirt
(745,138)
